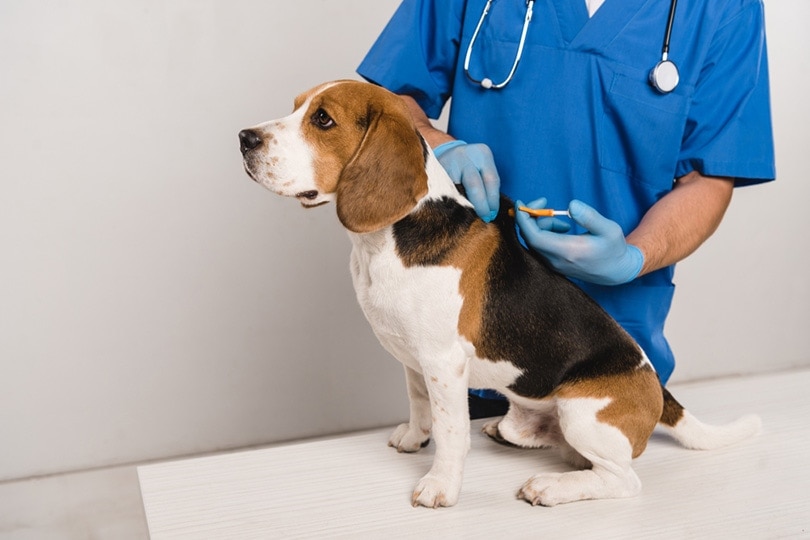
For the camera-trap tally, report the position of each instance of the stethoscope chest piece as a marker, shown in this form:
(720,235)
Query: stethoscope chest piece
(664,76)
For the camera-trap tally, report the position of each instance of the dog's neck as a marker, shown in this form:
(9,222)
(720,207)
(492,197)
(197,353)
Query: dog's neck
(433,226)
(439,212)
(439,183)
(440,186)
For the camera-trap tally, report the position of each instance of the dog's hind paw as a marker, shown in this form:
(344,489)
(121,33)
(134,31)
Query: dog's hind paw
(406,439)
(534,490)
(491,430)
(551,489)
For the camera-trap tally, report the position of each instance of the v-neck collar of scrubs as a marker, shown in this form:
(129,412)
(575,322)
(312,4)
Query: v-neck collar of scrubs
(579,31)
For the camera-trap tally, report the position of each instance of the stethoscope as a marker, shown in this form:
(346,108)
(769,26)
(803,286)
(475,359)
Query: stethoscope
(664,76)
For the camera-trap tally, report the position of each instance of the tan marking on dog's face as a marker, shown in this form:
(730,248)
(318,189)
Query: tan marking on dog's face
(334,124)
(385,177)
(635,406)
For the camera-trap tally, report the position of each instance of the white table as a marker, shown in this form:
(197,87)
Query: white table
(354,486)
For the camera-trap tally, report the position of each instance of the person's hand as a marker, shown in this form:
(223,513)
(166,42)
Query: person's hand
(472,166)
(601,255)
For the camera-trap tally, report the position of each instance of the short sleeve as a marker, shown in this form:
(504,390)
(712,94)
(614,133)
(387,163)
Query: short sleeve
(417,51)
(728,131)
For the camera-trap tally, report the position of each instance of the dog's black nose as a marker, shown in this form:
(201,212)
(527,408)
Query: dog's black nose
(248,140)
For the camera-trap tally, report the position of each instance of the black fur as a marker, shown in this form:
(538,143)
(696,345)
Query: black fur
(426,236)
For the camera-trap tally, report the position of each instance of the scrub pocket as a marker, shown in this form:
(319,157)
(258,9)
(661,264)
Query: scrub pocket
(640,131)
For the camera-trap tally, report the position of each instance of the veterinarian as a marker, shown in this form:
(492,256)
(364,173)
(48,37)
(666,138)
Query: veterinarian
(638,116)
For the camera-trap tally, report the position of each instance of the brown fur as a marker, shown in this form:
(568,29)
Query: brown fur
(472,257)
(634,412)
(673,411)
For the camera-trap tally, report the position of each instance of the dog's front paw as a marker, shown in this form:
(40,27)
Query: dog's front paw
(433,492)
(407,439)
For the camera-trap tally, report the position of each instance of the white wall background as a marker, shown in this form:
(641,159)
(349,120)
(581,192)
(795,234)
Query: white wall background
(155,302)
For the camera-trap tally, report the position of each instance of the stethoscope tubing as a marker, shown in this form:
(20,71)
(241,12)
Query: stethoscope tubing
(668,34)
(664,76)
(487,82)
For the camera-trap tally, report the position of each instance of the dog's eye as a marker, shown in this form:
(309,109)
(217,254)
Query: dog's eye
(322,120)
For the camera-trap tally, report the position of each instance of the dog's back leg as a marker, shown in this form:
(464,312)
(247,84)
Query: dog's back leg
(605,446)
(607,423)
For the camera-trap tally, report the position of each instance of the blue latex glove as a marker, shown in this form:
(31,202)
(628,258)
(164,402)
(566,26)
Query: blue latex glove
(601,255)
(472,166)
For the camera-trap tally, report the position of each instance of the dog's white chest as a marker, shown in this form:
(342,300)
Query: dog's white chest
(414,311)
(411,309)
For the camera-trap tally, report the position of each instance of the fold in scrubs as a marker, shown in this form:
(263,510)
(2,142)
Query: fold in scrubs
(580,119)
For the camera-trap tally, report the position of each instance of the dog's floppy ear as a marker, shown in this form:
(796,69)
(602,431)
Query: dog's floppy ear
(386,176)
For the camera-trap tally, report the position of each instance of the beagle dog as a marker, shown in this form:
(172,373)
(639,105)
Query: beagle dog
(461,303)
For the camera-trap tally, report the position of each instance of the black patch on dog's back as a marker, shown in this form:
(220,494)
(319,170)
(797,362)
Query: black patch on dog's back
(544,324)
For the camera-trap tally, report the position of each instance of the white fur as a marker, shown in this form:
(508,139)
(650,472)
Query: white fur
(414,314)
(286,167)
(694,434)
(534,426)
(440,184)
(485,373)
(603,445)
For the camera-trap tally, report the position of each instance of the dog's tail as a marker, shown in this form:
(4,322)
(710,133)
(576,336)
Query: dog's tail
(694,434)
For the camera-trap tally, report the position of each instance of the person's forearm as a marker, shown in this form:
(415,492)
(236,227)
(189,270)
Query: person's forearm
(433,136)
(682,220)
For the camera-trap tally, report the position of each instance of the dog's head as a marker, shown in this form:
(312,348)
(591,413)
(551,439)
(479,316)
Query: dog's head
(347,141)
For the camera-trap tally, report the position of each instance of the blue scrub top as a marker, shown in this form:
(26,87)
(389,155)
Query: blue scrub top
(580,119)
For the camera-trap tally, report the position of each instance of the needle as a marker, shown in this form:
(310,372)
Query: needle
(540,212)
